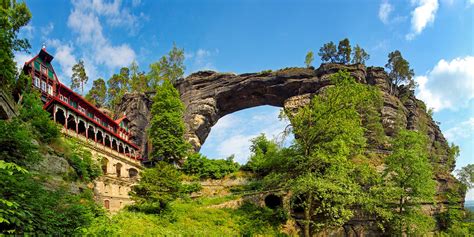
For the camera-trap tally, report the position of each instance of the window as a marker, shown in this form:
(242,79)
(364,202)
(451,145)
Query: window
(37,82)
(63,98)
(97,119)
(44,69)
(43,85)
(82,110)
(50,89)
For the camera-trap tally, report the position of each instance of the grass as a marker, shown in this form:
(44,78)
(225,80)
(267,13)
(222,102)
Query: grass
(191,218)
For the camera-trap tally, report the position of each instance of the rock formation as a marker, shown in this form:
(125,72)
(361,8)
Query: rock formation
(137,107)
(209,95)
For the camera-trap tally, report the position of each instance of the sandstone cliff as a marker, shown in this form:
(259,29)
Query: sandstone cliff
(209,95)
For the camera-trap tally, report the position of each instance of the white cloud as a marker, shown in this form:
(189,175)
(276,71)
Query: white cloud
(384,11)
(202,60)
(21,58)
(463,130)
(232,133)
(422,15)
(449,85)
(96,48)
(46,30)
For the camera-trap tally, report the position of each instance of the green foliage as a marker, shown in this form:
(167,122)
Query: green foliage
(39,211)
(202,167)
(81,161)
(265,157)
(309,59)
(32,112)
(13,16)
(466,175)
(16,143)
(344,51)
(192,218)
(98,93)
(158,186)
(139,82)
(359,55)
(328,53)
(400,71)
(79,76)
(329,135)
(170,67)
(409,180)
(166,130)
(118,85)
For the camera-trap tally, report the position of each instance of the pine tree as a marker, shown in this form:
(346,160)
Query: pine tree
(359,55)
(79,76)
(328,53)
(309,59)
(97,94)
(170,67)
(400,71)
(344,51)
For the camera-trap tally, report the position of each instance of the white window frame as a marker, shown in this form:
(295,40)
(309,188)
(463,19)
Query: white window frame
(43,85)
(50,89)
(37,82)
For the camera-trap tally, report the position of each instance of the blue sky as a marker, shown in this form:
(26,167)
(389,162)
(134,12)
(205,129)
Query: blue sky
(435,36)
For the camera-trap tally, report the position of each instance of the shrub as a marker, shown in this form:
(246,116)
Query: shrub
(201,166)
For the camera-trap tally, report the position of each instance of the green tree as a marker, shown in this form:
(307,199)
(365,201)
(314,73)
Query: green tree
(466,175)
(400,71)
(170,67)
(157,187)
(328,53)
(13,16)
(97,94)
(359,55)
(309,59)
(265,155)
(409,180)
(138,80)
(79,76)
(32,112)
(344,51)
(167,129)
(118,85)
(329,134)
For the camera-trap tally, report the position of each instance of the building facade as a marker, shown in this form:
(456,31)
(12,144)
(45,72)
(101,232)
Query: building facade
(108,139)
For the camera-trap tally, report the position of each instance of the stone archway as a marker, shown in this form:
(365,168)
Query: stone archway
(60,116)
(71,123)
(209,96)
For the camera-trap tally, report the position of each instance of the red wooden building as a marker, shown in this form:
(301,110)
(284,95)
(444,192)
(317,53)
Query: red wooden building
(75,113)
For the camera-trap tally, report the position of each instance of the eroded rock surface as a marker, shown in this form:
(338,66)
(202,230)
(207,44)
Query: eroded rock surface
(209,95)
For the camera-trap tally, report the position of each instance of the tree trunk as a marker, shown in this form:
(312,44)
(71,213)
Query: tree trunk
(307,216)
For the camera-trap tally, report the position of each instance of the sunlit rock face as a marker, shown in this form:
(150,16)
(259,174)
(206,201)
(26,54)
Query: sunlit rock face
(208,96)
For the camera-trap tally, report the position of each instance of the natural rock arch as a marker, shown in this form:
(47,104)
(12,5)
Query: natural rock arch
(209,96)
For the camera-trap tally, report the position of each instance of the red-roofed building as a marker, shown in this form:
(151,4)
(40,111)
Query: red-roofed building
(76,114)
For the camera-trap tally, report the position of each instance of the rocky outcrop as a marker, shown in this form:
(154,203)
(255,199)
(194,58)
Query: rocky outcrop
(7,106)
(137,107)
(208,95)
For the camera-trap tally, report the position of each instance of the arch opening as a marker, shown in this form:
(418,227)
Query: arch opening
(132,173)
(118,169)
(233,132)
(71,123)
(273,201)
(100,136)
(114,144)
(107,140)
(91,132)
(81,128)
(60,116)
(104,165)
